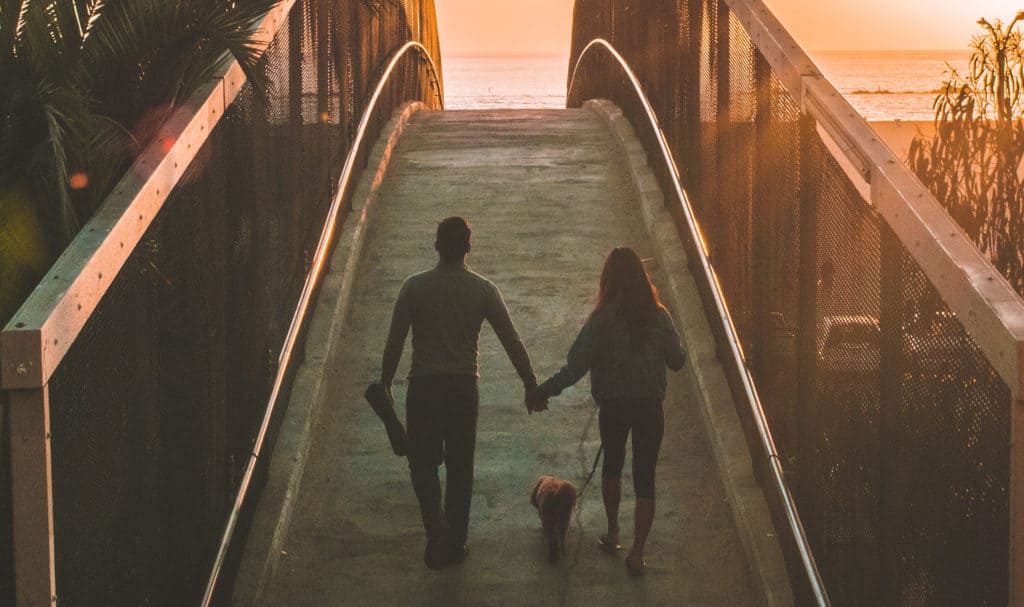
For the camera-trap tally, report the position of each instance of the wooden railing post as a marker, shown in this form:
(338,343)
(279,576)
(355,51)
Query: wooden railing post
(32,484)
(1016,572)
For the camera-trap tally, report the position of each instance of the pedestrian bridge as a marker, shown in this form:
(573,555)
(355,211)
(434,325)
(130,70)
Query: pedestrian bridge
(548,192)
(184,421)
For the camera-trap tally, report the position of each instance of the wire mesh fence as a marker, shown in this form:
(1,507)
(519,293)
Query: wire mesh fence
(891,424)
(6,510)
(155,407)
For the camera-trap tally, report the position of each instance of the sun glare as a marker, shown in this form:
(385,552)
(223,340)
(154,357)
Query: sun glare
(494,57)
(888,24)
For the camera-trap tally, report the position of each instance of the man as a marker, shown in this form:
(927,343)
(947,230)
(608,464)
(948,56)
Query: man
(445,308)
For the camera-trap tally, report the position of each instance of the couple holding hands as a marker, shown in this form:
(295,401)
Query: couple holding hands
(626,345)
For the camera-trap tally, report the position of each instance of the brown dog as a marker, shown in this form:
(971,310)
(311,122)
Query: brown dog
(554,499)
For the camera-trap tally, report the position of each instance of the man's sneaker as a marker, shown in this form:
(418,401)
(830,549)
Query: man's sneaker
(438,554)
(459,554)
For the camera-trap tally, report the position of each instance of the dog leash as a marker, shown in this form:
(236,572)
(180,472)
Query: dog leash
(579,495)
(597,458)
(590,476)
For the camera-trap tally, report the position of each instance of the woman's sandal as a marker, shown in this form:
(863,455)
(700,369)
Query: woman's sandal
(608,545)
(636,567)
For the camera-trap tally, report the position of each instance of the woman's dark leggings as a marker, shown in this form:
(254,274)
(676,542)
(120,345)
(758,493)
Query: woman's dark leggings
(644,416)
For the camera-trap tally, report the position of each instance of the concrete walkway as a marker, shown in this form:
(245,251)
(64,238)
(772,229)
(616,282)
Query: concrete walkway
(547,198)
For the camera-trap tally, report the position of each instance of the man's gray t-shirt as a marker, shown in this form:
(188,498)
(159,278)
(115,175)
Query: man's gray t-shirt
(445,307)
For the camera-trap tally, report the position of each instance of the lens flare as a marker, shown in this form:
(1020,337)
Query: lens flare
(78,181)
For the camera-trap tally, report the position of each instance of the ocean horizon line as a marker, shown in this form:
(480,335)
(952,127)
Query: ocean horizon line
(886,51)
(506,56)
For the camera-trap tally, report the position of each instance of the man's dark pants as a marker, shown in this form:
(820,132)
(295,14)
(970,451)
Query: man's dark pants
(441,413)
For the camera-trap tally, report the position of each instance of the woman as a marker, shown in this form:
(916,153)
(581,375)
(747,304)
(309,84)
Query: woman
(626,344)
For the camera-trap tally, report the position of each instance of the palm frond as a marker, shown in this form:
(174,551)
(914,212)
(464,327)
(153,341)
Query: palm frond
(55,120)
(21,19)
(230,26)
(10,13)
(91,16)
(47,35)
(81,78)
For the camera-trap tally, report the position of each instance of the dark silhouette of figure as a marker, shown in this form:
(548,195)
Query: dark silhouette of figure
(625,345)
(445,308)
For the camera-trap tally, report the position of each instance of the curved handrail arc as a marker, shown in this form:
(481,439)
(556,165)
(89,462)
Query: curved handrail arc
(313,279)
(731,335)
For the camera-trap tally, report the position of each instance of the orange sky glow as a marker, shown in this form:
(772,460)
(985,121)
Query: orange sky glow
(541,27)
(888,24)
(487,27)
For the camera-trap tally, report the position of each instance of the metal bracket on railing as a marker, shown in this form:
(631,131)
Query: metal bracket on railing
(816,107)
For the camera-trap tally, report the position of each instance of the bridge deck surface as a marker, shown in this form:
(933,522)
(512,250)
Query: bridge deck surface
(547,197)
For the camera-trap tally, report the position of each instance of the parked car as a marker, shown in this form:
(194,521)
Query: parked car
(933,344)
(848,346)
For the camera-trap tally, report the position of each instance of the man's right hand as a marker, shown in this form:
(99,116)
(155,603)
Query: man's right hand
(535,400)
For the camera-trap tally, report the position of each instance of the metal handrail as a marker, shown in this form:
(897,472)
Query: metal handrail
(731,335)
(313,279)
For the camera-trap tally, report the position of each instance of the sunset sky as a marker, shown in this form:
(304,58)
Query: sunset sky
(541,27)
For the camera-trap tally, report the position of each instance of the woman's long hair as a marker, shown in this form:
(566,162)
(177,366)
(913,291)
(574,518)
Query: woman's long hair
(625,281)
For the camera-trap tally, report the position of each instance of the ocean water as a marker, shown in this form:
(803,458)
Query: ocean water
(504,82)
(888,85)
(881,85)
